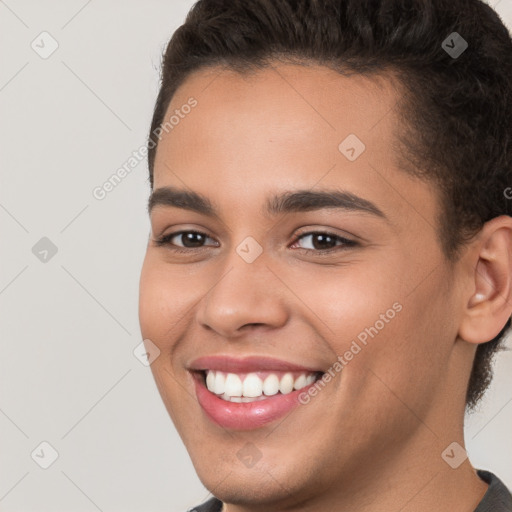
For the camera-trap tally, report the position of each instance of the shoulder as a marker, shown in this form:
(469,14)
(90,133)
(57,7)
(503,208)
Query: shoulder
(212,505)
(497,498)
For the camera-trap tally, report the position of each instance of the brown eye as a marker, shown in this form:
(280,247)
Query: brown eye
(184,239)
(318,241)
(191,239)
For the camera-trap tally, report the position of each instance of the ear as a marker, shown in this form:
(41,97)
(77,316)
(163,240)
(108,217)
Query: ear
(490,303)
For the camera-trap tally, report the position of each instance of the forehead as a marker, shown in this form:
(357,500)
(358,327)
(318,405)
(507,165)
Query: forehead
(289,126)
(287,103)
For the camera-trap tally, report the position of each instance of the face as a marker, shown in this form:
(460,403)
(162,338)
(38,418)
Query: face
(281,289)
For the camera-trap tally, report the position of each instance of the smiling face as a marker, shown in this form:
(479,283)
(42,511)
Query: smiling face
(284,284)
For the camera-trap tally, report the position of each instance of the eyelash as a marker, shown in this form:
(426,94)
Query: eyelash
(346,243)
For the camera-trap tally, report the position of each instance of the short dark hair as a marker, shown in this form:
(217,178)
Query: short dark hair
(456,111)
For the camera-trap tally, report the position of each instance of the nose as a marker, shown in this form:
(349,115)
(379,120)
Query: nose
(247,296)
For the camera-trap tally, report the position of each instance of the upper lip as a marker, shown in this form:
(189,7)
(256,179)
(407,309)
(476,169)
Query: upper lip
(230,364)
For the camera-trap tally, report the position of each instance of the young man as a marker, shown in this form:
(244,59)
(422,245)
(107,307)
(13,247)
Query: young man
(329,271)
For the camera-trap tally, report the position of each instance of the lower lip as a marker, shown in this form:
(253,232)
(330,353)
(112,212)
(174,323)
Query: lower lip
(245,416)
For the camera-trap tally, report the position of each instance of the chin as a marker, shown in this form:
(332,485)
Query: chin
(269,484)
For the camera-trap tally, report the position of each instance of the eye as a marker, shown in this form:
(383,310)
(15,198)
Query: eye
(323,242)
(319,241)
(189,240)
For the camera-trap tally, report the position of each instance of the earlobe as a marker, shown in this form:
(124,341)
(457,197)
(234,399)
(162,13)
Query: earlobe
(490,304)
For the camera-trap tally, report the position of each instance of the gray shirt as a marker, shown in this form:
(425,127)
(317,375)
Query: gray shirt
(496,499)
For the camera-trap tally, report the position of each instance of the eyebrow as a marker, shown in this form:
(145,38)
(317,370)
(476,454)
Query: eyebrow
(291,201)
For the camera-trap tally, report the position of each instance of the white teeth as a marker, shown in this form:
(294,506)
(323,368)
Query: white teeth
(210,380)
(310,379)
(241,399)
(300,382)
(229,386)
(246,399)
(233,385)
(252,386)
(286,384)
(218,386)
(271,385)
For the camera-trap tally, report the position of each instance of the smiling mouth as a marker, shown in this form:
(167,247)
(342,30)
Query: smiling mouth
(255,386)
(251,392)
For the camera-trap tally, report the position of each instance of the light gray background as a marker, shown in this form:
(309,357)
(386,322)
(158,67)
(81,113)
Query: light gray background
(69,325)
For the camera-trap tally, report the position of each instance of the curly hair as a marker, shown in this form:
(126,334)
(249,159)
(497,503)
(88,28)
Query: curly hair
(455,112)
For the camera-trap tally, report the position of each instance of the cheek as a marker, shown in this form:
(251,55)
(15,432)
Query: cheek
(406,361)
(351,302)
(165,296)
(379,319)
(151,303)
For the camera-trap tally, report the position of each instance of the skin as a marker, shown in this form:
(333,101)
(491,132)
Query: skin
(372,439)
